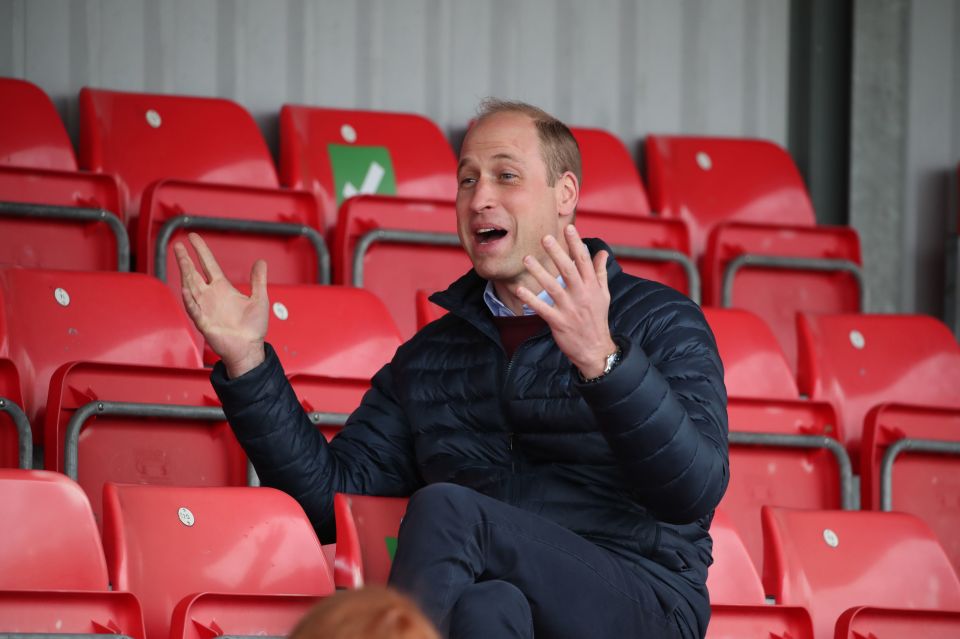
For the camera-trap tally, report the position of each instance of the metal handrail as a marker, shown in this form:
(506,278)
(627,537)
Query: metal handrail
(50,212)
(936,446)
(436,238)
(24,433)
(249,227)
(790,264)
(848,496)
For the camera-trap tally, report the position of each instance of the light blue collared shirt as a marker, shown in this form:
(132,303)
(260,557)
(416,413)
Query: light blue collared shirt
(499,309)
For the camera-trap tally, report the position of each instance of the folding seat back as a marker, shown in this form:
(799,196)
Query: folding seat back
(50,540)
(331,331)
(328,401)
(711,180)
(16,438)
(911,463)
(859,361)
(367,530)
(777,271)
(611,182)
(33,134)
(759,622)
(829,561)
(139,425)
(144,137)
(54,317)
(52,216)
(394,248)
(868,621)
(732,578)
(339,153)
(786,453)
(172,546)
(648,247)
(73,613)
(753,362)
(200,163)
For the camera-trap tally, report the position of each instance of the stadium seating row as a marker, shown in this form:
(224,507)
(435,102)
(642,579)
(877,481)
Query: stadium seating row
(104,369)
(206,562)
(379,188)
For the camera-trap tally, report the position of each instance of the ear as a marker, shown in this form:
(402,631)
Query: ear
(568,194)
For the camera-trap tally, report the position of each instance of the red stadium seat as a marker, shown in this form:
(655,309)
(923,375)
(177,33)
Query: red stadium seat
(732,578)
(648,247)
(753,361)
(339,153)
(328,400)
(367,530)
(922,474)
(611,182)
(210,615)
(50,540)
(180,548)
(54,317)
(880,623)
(857,362)
(775,272)
(395,247)
(60,613)
(51,215)
(53,576)
(754,230)
(709,181)
(786,453)
(139,425)
(830,561)
(427,311)
(200,163)
(737,602)
(331,331)
(16,437)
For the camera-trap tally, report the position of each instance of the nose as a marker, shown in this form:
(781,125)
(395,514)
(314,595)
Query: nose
(482,196)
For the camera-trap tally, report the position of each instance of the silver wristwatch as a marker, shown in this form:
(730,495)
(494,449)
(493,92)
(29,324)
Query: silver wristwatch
(612,360)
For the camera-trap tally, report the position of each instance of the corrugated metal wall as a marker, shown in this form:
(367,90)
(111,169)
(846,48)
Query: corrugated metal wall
(631,66)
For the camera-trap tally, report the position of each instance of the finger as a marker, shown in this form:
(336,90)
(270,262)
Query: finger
(580,254)
(537,305)
(562,261)
(188,273)
(207,262)
(544,278)
(258,281)
(600,268)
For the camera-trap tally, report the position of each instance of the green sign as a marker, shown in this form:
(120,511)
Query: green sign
(391,546)
(360,170)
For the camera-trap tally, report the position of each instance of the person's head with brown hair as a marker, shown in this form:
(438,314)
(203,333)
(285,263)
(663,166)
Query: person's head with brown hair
(369,613)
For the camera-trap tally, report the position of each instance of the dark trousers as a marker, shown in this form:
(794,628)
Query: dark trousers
(481,568)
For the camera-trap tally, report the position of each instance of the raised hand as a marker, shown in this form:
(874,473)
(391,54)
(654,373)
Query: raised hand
(234,324)
(578,319)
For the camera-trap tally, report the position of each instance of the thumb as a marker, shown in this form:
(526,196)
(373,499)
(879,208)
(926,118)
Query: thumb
(258,280)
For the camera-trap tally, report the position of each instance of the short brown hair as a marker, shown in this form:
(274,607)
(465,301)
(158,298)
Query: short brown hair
(369,613)
(557,145)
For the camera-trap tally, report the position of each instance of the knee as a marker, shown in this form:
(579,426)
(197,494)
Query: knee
(438,501)
(491,609)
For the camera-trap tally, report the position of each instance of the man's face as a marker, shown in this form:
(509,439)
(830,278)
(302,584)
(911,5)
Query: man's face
(504,205)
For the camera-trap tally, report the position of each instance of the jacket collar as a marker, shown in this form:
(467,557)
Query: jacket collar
(464,297)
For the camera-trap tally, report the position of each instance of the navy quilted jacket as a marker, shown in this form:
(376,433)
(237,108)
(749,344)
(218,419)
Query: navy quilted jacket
(635,462)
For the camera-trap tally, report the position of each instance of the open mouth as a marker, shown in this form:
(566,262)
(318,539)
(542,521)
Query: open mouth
(489,234)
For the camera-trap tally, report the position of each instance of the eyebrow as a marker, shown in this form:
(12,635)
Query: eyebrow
(498,156)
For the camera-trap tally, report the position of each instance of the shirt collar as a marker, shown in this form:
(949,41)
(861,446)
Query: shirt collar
(499,309)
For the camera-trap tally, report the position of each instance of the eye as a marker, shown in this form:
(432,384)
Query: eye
(467,181)
(507,175)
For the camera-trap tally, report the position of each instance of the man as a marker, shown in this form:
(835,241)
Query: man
(562,430)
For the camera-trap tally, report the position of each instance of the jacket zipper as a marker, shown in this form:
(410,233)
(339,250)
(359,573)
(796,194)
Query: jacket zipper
(512,436)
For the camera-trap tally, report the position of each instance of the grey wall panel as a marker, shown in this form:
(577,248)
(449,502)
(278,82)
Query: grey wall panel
(632,66)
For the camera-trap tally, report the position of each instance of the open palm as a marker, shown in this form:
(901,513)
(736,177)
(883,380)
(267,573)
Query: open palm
(233,324)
